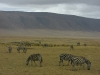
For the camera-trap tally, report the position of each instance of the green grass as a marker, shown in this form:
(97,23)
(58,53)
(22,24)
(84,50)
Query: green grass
(14,63)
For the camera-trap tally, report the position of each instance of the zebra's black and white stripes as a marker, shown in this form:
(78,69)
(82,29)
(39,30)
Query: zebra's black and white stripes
(79,60)
(75,60)
(66,57)
(34,57)
(88,63)
(21,48)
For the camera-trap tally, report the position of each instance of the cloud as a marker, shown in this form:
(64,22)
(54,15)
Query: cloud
(85,8)
(46,2)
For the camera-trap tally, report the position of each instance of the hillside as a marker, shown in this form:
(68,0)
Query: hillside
(27,21)
(43,20)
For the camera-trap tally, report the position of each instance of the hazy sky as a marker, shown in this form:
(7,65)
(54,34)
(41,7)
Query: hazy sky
(85,8)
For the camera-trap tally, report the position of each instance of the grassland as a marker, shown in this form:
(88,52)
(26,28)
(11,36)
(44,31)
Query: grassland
(14,63)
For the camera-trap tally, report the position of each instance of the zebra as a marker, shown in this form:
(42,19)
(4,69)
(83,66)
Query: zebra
(79,60)
(84,44)
(21,48)
(66,57)
(34,57)
(9,49)
(71,47)
(45,45)
(78,44)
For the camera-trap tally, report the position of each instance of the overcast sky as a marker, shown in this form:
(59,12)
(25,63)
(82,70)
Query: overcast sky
(85,8)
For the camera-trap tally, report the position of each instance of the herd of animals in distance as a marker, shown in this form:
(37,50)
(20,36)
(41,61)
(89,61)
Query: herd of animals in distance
(72,59)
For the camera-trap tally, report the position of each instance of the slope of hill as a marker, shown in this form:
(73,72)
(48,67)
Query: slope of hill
(43,20)
(15,21)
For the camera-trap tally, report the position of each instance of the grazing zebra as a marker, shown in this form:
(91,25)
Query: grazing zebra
(21,48)
(34,57)
(9,49)
(66,57)
(79,60)
(78,44)
(45,45)
(84,44)
(71,47)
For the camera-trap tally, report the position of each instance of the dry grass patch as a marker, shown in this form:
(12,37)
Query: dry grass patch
(15,63)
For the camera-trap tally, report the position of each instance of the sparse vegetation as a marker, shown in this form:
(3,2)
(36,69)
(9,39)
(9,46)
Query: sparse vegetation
(14,63)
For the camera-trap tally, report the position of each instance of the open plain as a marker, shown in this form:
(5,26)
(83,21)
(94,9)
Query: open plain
(14,63)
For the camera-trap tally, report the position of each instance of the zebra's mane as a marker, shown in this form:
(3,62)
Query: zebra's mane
(29,58)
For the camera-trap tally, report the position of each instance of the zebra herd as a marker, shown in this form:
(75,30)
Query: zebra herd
(74,60)
(44,45)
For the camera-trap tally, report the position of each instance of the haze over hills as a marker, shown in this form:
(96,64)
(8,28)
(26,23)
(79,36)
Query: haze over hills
(43,23)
